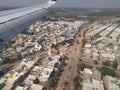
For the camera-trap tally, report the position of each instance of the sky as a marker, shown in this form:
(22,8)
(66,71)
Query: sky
(66,3)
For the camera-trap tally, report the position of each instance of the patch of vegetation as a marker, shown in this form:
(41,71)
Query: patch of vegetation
(19,56)
(106,63)
(115,64)
(65,57)
(76,82)
(96,62)
(82,66)
(107,71)
(78,42)
(54,77)
(6,60)
(54,46)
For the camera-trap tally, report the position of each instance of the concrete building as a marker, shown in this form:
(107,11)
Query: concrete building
(111,83)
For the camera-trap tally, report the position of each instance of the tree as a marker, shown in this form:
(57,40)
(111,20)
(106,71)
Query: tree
(96,62)
(19,56)
(78,42)
(107,71)
(6,60)
(65,57)
(76,82)
(36,81)
(48,83)
(115,64)
(54,46)
(106,63)
(82,66)
(65,83)
(52,82)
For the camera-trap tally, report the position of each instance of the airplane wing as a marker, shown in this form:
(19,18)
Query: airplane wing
(12,22)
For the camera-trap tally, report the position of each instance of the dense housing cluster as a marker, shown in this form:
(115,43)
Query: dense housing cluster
(35,51)
(101,45)
(102,42)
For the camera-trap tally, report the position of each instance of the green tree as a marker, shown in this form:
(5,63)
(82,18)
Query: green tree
(106,63)
(54,46)
(19,56)
(76,82)
(107,71)
(65,83)
(115,64)
(6,60)
(96,62)
(48,83)
(52,82)
(82,66)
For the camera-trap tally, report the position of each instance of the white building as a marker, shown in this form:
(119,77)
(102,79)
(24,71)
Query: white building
(111,83)
(90,82)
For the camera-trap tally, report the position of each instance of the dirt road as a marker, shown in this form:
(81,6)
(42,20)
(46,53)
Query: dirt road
(70,69)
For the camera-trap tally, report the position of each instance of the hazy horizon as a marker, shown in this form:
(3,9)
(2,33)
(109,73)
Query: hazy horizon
(66,3)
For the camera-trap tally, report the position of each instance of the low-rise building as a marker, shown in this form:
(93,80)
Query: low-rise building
(111,83)
(29,80)
(91,80)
